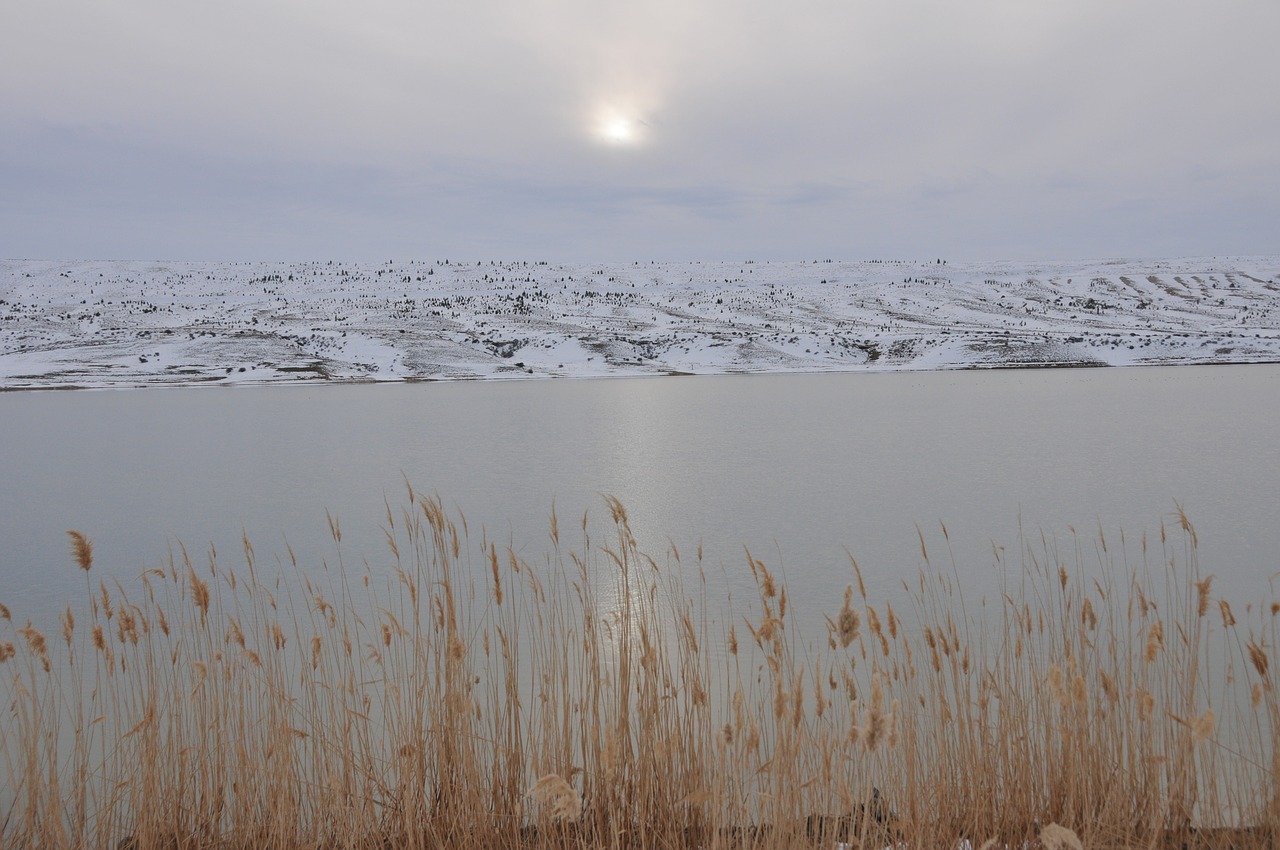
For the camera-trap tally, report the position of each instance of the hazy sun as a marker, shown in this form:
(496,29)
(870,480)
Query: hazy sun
(615,127)
(619,130)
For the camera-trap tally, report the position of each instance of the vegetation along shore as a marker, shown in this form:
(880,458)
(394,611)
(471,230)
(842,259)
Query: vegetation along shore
(465,696)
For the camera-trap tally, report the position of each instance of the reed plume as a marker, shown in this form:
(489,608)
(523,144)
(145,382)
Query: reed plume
(81,550)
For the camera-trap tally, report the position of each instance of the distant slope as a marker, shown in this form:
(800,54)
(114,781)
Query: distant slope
(125,324)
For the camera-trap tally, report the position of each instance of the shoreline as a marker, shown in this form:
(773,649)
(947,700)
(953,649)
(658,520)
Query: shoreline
(394,381)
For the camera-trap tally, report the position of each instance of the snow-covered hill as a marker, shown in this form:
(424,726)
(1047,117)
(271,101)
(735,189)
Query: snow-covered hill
(123,324)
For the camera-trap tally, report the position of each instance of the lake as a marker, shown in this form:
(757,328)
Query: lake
(803,470)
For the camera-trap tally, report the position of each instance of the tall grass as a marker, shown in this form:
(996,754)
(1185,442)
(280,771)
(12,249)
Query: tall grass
(454,694)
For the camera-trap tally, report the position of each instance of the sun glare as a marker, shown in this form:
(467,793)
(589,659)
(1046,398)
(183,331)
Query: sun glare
(619,131)
(614,127)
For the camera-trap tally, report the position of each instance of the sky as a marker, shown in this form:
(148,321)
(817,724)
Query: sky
(654,129)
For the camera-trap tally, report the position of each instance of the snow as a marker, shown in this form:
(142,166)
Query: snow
(132,324)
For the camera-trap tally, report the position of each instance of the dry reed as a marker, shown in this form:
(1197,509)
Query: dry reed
(455,695)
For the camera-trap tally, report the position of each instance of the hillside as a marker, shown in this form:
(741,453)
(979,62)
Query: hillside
(123,324)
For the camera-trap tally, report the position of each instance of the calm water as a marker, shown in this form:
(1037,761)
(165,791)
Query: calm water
(799,468)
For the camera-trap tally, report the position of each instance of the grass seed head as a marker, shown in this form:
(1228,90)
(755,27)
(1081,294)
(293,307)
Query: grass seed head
(768,587)
(1056,684)
(234,635)
(878,725)
(199,594)
(1155,641)
(1202,727)
(1202,596)
(1146,704)
(106,601)
(68,625)
(1258,657)
(127,625)
(1108,687)
(36,643)
(848,623)
(81,550)
(497,576)
(1079,693)
(562,801)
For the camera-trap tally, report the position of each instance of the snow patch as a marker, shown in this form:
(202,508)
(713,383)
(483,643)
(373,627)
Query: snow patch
(128,324)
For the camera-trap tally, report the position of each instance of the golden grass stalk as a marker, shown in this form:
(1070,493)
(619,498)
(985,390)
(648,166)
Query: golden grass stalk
(447,696)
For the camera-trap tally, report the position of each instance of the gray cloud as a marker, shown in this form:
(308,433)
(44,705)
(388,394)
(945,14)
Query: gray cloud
(284,128)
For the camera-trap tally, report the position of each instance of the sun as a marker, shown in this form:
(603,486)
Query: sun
(620,131)
(618,128)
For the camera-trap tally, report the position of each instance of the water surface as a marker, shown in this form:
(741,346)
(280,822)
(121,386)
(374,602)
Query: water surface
(801,469)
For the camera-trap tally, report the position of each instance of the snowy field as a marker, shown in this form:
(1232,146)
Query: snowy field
(131,324)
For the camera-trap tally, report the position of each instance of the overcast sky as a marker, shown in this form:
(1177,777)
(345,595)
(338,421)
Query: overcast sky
(651,129)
